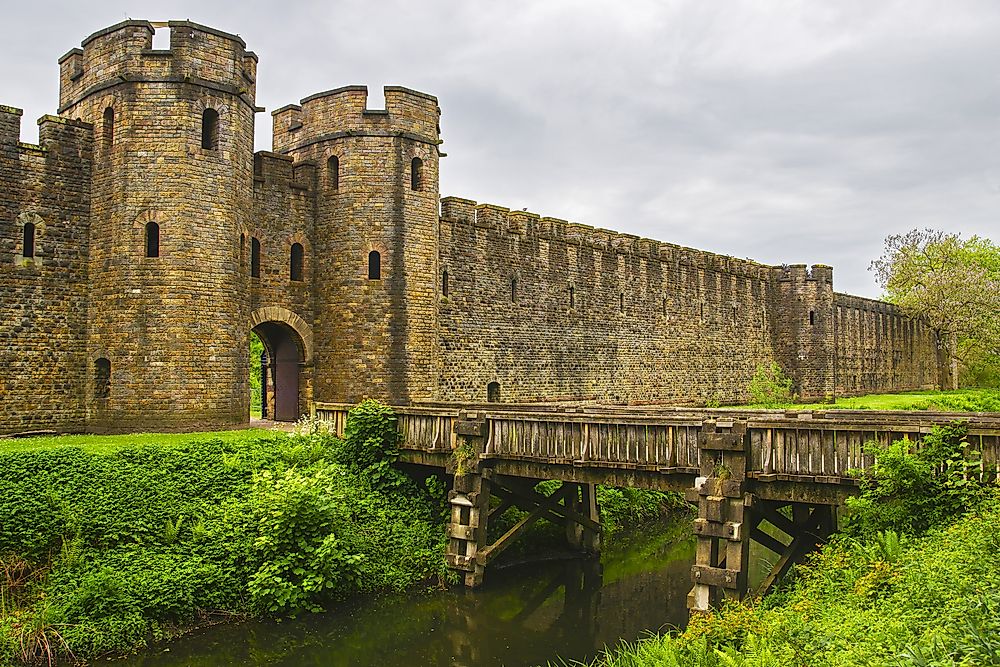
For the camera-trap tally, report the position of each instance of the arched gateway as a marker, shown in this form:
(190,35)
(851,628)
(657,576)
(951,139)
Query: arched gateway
(287,357)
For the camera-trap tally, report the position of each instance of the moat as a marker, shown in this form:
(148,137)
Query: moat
(525,615)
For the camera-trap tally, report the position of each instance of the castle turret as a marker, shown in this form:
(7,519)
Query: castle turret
(376,249)
(172,182)
(803,328)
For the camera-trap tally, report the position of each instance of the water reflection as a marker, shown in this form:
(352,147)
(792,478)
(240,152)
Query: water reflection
(524,615)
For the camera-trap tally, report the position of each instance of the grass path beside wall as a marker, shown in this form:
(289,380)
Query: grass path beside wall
(962,400)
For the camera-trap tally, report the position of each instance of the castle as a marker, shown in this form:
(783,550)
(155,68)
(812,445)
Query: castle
(142,240)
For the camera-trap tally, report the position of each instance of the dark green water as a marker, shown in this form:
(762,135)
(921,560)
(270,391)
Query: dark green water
(524,615)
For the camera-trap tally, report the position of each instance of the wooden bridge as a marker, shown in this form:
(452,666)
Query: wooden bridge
(773,477)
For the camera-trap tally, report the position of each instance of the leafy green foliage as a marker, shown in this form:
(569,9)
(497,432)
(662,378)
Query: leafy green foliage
(626,507)
(963,400)
(770,387)
(910,489)
(950,283)
(370,439)
(302,559)
(256,389)
(110,548)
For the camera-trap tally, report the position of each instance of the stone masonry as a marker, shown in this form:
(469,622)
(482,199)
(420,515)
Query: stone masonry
(142,240)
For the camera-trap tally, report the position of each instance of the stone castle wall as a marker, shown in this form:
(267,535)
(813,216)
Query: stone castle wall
(43,299)
(553,310)
(556,311)
(881,350)
(467,297)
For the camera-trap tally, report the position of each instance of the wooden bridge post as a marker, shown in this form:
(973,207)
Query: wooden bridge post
(470,502)
(583,499)
(723,525)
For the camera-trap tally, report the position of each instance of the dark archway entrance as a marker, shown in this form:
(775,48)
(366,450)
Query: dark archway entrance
(283,355)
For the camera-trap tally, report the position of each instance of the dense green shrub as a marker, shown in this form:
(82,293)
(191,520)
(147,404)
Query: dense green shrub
(770,387)
(370,439)
(626,507)
(302,558)
(910,489)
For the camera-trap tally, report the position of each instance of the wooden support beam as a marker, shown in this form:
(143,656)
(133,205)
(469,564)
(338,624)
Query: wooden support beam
(768,541)
(523,503)
(485,555)
(725,516)
(778,520)
(549,503)
(505,504)
(810,528)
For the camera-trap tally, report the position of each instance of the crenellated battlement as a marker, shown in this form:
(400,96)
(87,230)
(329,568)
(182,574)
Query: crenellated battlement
(800,273)
(124,53)
(842,300)
(70,139)
(343,112)
(503,220)
(10,127)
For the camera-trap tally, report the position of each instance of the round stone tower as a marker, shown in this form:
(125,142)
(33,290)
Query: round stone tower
(376,239)
(172,187)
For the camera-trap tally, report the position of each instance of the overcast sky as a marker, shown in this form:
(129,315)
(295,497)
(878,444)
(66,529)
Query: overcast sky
(784,131)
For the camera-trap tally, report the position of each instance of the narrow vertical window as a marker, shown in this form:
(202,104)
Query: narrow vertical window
(333,172)
(28,241)
(621,302)
(152,239)
(243,250)
(374,265)
(493,392)
(254,258)
(296,261)
(444,284)
(812,317)
(108,128)
(513,290)
(416,174)
(102,378)
(572,297)
(210,129)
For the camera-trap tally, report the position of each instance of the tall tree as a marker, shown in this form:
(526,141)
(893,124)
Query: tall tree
(950,283)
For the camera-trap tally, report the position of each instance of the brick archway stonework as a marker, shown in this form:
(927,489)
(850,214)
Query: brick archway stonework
(285,316)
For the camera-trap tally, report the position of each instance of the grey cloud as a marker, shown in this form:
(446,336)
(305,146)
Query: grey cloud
(789,131)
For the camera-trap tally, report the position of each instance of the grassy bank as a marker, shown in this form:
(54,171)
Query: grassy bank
(106,444)
(933,600)
(107,544)
(913,580)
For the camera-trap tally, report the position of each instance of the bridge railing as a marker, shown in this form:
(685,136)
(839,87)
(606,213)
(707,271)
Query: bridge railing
(823,445)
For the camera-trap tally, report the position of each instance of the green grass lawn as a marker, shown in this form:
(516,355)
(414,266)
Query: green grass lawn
(104,444)
(962,400)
